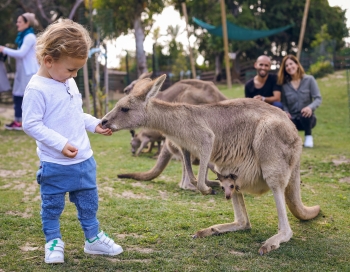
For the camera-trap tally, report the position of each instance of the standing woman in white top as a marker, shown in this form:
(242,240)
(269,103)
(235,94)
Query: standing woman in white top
(26,63)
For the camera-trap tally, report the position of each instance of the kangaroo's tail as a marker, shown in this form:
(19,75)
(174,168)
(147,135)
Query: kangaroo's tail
(162,161)
(293,198)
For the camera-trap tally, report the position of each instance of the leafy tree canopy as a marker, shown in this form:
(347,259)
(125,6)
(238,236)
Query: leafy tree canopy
(266,14)
(124,13)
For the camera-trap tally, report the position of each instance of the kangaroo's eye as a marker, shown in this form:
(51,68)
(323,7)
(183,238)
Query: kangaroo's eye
(124,109)
(232,186)
(223,188)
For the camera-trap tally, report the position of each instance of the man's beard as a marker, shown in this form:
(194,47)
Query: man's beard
(262,75)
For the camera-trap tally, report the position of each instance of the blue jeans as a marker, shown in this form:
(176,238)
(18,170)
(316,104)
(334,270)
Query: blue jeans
(277,104)
(80,181)
(17,105)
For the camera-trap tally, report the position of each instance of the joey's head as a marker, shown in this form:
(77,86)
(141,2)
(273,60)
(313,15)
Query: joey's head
(130,111)
(228,184)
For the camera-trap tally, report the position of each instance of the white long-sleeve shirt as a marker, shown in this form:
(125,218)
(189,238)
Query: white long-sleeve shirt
(26,54)
(54,116)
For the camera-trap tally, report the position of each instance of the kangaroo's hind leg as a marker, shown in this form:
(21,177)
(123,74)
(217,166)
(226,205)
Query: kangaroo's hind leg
(241,221)
(185,182)
(284,231)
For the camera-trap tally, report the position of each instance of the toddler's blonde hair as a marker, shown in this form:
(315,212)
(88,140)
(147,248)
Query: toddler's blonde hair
(63,38)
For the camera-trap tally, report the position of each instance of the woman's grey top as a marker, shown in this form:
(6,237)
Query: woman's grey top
(307,95)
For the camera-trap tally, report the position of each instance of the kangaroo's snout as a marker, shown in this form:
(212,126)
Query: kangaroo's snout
(104,122)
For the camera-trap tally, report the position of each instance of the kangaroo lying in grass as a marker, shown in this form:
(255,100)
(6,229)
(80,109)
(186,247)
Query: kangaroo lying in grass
(191,91)
(252,145)
(140,140)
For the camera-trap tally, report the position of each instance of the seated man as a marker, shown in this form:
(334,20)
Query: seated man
(264,85)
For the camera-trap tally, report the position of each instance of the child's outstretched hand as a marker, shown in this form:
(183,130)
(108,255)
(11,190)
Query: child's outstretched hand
(69,151)
(103,131)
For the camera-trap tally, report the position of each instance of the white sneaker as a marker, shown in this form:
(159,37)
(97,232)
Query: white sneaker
(103,245)
(309,141)
(54,251)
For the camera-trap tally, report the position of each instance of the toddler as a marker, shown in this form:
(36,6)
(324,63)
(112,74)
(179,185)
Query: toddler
(53,116)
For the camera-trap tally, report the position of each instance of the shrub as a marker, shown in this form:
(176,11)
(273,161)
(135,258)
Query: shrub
(321,68)
(344,52)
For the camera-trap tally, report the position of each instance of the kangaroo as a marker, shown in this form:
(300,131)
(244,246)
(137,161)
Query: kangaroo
(192,91)
(243,138)
(140,140)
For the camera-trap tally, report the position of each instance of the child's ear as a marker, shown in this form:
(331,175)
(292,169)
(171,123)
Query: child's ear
(48,60)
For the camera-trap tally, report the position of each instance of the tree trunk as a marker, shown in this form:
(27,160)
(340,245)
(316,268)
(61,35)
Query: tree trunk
(140,52)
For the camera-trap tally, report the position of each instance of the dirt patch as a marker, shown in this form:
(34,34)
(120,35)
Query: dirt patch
(28,247)
(30,193)
(7,111)
(26,214)
(141,250)
(341,160)
(125,194)
(236,253)
(123,235)
(128,261)
(345,180)
(109,189)
(129,194)
(9,173)
(19,186)
(163,194)
(141,185)
(30,189)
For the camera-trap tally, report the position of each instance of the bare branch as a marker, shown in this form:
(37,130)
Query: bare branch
(42,12)
(4,5)
(74,9)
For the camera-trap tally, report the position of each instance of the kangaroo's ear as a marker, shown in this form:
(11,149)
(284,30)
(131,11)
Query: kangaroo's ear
(146,75)
(158,82)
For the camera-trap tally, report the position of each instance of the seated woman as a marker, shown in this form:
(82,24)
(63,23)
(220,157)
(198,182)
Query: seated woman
(300,96)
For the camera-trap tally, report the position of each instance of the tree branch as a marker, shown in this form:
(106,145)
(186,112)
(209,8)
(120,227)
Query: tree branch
(42,12)
(74,9)
(4,5)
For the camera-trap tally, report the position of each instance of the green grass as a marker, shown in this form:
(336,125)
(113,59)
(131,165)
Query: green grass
(154,221)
